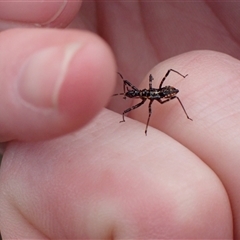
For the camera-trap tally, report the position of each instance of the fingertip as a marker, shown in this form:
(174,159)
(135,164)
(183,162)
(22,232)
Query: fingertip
(89,81)
(169,193)
(53,82)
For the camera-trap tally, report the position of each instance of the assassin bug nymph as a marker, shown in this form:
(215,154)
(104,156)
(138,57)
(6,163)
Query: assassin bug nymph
(161,94)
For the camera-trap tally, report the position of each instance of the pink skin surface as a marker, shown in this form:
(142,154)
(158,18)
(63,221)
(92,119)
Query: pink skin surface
(70,170)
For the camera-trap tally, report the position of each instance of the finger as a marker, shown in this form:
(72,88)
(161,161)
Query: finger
(210,94)
(134,187)
(52,82)
(41,13)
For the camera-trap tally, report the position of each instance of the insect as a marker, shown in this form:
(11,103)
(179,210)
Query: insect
(161,94)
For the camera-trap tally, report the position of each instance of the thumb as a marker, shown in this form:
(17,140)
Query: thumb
(52,82)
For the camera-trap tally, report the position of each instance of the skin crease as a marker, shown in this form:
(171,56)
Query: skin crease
(179,182)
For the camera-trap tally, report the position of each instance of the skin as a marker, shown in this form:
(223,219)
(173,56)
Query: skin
(104,180)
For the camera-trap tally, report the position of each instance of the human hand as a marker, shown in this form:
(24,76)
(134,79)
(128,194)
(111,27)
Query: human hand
(109,180)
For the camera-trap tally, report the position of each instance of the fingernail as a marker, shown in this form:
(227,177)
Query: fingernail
(43,74)
(55,16)
(39,13)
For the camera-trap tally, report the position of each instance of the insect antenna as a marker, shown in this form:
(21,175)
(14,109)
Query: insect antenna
(116,94)
(124,86)
(120,75)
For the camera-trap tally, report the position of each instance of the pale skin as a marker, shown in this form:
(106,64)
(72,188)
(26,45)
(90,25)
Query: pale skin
(102,179)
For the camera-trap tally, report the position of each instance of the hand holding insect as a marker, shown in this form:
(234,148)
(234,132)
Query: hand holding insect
(161,94)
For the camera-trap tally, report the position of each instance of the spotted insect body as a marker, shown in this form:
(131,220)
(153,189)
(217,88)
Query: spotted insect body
(161,94)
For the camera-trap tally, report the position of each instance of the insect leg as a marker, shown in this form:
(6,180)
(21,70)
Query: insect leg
(132,108)
(150,81)
(159,100)
(149,115)
(170,70)
(183,108)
